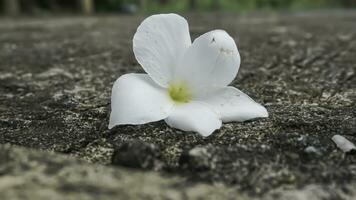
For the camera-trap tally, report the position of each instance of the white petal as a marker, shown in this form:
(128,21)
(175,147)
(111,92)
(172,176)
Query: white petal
(194,116)
(233,105)
(212,59)
(158,44)
(136,99)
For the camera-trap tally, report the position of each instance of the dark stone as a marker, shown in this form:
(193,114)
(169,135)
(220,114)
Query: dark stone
(137,154)
(196,159)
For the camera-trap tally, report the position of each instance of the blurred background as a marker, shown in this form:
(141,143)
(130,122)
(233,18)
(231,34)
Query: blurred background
(54,7)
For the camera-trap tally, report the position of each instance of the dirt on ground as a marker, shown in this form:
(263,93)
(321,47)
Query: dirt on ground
(56,76)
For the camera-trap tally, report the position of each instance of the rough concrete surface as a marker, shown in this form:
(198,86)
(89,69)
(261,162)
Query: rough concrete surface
(55,82)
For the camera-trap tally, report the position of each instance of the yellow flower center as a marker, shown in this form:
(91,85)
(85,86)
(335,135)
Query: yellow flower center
(179,92)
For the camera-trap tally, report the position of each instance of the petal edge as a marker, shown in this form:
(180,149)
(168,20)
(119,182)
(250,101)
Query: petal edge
(159,42)
(213,59)
(194,116)
(234,105)
(136,99)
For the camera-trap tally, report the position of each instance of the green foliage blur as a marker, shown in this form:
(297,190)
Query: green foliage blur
(154,6)
(245,5)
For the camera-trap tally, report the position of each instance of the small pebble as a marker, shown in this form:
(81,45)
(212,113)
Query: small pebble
(312,150)
(344,144)
(137,154)
(196,159)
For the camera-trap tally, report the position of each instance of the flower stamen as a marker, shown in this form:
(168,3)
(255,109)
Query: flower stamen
(179,92)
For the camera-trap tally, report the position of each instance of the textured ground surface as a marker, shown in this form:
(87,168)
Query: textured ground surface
(55,82)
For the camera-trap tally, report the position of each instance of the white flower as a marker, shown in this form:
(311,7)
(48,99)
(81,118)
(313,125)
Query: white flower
(186,83)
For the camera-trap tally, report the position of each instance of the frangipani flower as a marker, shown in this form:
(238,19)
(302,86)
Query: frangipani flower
(186,83)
